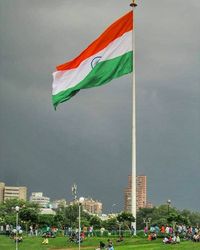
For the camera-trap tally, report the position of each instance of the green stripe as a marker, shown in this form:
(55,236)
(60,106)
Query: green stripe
(101,74)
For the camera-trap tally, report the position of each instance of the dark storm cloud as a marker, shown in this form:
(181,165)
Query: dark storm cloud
(87,140)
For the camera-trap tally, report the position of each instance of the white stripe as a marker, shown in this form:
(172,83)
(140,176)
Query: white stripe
(62,80)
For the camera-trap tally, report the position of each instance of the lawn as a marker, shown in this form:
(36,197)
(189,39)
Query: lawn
(34,243)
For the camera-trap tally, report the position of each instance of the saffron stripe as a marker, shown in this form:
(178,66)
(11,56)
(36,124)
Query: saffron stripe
(116,30)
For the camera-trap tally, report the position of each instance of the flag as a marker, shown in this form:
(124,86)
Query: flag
(109,56)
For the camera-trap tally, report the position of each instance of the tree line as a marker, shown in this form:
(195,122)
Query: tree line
(29,214)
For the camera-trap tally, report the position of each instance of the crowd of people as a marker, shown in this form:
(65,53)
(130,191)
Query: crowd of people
(175,239)
(16,233)
(74,237)
(173,234)
(170,234)
(89,231)
(9,229)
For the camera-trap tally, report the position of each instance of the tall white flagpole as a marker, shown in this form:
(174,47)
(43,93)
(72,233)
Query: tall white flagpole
(133,200)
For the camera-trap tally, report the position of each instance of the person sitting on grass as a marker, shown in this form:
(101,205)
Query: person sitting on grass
(72,237)
(82,235)
(77,238)
(196,237)
(18,238)
(45,241)
(110,245)
(170,239)
(166,240)
(149,237)
(174,239)
(152,236)
(101,245)
(13,233)
(121,238)
(178,240)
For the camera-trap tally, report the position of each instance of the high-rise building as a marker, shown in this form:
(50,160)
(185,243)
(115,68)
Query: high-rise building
(127,195)
(42,201)
(2,187)
(15,193)
(141,193)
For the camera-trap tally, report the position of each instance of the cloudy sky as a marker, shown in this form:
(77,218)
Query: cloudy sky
(88,139)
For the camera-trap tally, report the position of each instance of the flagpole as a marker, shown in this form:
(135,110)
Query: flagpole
(133,191)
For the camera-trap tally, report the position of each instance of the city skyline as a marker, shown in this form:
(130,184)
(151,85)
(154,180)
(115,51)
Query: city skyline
(33,195)
(93,206)
(87,141)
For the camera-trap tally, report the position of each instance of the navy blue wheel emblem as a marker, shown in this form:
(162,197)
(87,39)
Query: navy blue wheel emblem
(95,61)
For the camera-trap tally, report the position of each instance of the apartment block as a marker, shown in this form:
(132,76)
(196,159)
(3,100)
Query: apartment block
(2,187)
(91,206)
(42,201)
(10,192)
(141,193)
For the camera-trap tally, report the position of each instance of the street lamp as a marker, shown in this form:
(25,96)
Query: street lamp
(147,221)
(120,229)
(168,204)
(81,200)
(74,191)
(17,222)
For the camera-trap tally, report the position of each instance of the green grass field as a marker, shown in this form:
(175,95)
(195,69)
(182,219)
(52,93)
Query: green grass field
(34,243)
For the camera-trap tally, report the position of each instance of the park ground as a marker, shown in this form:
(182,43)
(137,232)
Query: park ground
(61,243)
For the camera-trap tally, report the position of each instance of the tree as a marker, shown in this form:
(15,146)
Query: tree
(126,219)
(28,214)
(172,217)
(46,220)
(159,215)
(71,215)
(28,211)
(96,222)
(145,213)
(110,224)
(194,218)
(59,220)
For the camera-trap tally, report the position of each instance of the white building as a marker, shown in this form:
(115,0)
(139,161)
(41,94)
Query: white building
(42,201)
(58,203)
(47,211)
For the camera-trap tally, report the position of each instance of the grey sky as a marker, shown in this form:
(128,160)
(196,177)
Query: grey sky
(87,140)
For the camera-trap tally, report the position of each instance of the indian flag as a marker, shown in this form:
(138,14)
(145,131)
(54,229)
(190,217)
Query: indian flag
(108,57)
